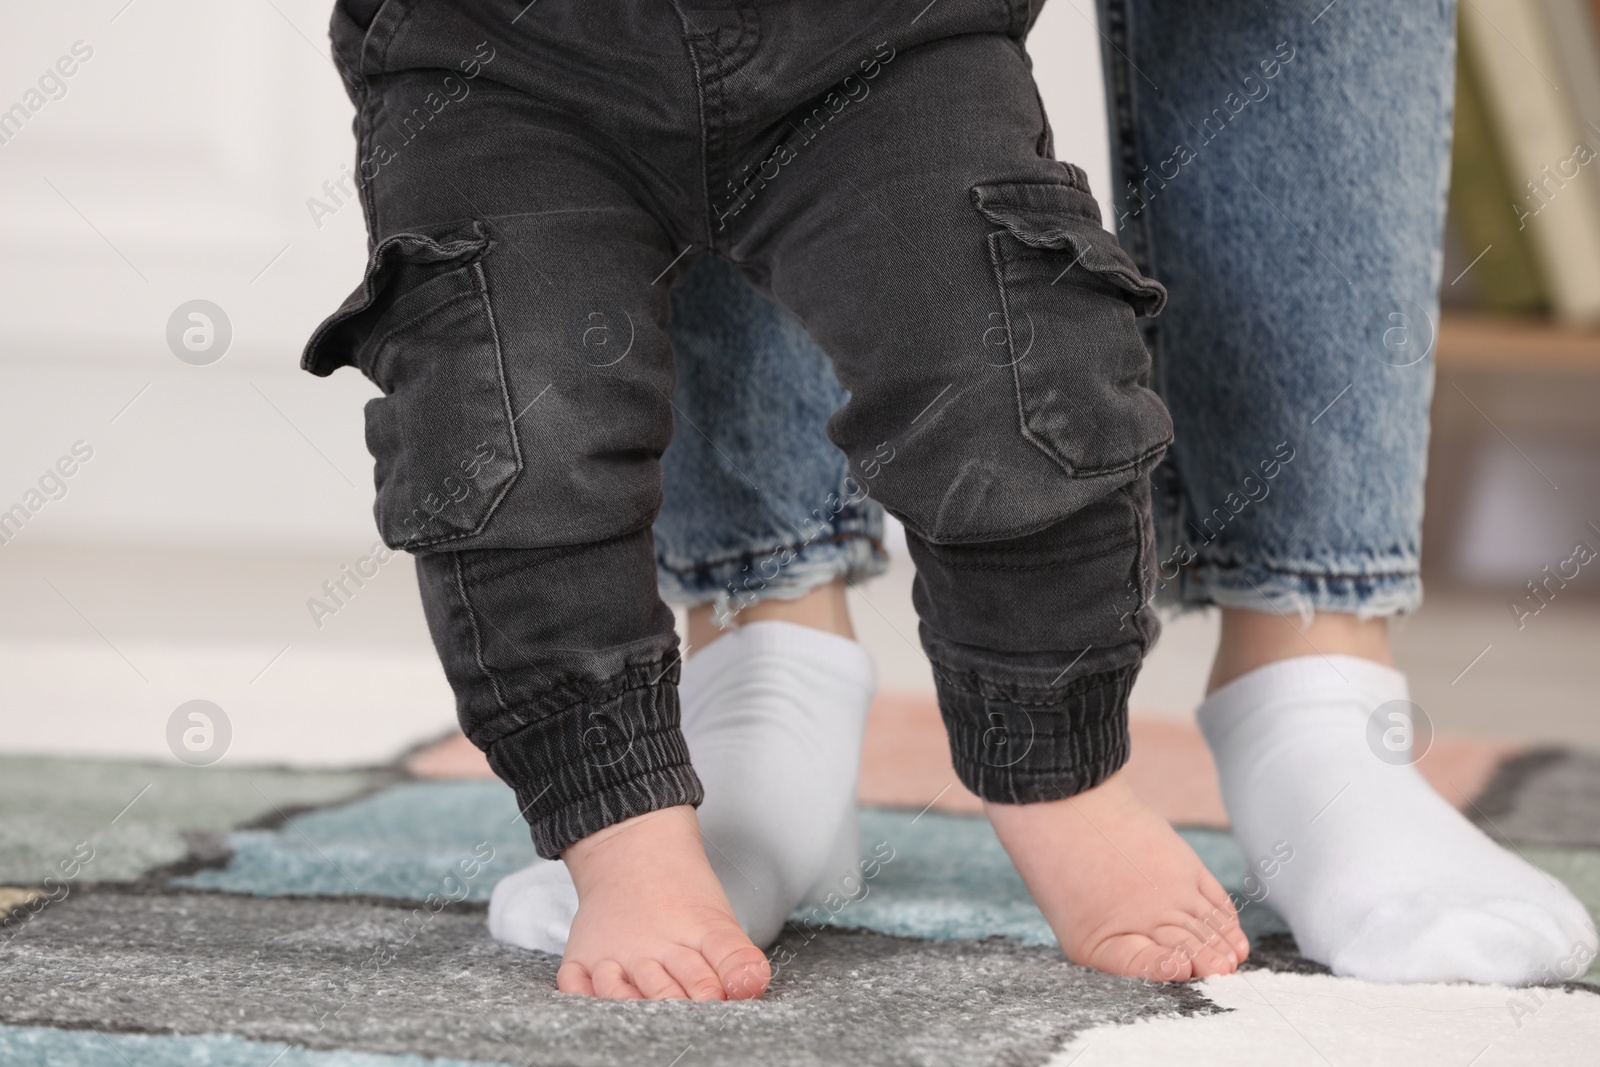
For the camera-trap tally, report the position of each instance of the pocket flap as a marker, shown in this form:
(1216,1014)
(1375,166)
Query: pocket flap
(1052,215)
(335,342)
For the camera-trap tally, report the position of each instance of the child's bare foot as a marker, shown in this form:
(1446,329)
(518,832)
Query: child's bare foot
(1121,890)
(653,921)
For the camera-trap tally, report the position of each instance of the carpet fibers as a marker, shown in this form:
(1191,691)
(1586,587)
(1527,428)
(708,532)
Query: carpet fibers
(274,918)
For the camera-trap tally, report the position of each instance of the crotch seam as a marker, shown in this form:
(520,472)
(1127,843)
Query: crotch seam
(700,97)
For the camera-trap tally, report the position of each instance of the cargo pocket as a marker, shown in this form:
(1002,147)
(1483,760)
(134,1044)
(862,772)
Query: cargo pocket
(1068,299)
(442,435)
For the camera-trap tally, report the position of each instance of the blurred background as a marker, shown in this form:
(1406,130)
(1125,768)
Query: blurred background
(174,491)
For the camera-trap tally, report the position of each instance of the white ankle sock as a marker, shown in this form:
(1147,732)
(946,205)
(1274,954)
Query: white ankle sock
(773,714)
(1387,882)
(533,908)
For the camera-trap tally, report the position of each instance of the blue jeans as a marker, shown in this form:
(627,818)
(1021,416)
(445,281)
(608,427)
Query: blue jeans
(758,503)
(1283,173)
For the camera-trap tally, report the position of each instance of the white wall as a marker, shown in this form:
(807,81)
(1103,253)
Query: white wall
(1065,46)
(177,166)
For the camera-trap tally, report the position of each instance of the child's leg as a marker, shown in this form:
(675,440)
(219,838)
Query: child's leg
(1042,744)
(984,325)
(760,523)
(773,714)
(517,457)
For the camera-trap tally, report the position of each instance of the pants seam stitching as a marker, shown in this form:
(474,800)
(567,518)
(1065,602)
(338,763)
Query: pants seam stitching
(477,634)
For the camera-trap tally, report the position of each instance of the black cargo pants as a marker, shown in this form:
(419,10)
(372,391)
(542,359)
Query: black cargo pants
(536,176)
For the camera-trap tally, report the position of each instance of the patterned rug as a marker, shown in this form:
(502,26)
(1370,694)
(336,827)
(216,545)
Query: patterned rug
(164,915)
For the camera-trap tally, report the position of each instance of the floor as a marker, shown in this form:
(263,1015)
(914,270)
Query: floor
(230,904)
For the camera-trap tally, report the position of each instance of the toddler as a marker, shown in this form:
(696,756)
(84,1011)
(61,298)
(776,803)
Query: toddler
(530,174)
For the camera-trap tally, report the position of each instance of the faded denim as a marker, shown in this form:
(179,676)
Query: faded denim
(757,503)
(535,178)
(1283,168)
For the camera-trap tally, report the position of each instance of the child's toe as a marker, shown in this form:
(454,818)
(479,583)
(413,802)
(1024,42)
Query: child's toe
(1138,956)
(611,982)
(1224,917)
(1203,949)
(1240,943)
(650,978)
(573,977)
(1213,959)
(691,971)
(741,966)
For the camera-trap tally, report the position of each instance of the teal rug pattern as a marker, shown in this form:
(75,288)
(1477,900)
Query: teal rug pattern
(405,842)
(948,876)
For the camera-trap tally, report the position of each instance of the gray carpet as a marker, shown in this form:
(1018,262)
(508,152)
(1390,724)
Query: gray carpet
(1545,797)
(300,972)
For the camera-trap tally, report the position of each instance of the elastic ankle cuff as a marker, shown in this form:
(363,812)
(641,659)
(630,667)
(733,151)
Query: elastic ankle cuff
(1014,745)
(590,765)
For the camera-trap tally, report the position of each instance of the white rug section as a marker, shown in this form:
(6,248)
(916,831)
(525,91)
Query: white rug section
(1290,1019)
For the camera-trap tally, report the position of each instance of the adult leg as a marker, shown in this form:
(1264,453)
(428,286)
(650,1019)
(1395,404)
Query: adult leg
(984,325)
(761,526)
(1299,235)
(522,471)
(1287,182)
(760,506)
